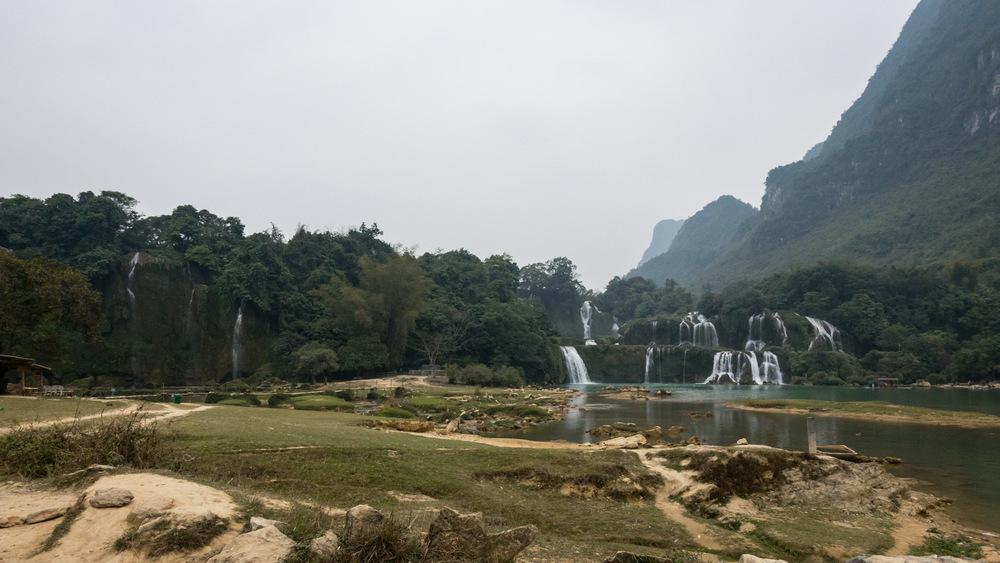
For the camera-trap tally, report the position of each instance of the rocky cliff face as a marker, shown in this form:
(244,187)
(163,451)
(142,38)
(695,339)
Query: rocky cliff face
(663,234)
(167,326)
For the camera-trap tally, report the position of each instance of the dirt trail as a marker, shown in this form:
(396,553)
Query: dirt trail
(151,411)
(702,535)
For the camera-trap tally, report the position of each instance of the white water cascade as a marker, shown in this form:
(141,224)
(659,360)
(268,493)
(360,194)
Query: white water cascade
(758,331)
(770,370)
(586,315)
(696,330)
(826,335)
(575,368)
(190,307)
(615,330)
(237,329)
(129,284)
(650,363)
(733,367)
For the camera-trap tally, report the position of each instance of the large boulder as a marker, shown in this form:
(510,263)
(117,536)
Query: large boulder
(455,537)
(325,547)
(266,545)
(361,522)
(111,498)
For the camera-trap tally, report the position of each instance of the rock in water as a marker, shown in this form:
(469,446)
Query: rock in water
(462,537)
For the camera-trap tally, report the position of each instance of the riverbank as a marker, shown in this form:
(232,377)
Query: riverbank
(869,410)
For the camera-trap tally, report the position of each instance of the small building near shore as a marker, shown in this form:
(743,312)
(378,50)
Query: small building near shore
(32,375)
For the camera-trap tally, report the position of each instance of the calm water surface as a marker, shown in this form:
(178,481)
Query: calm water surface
(958,463)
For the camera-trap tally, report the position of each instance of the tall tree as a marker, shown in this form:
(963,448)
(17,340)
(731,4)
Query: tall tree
(42,303)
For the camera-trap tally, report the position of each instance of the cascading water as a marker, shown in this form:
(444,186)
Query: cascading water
(826,335)
(758,331)
(696,330)
(190,307)
(575,368)
(722,367)
(237,329)
(737,366)
(615,330)
(129,283)
(586,315)
(650,363)
(770,370)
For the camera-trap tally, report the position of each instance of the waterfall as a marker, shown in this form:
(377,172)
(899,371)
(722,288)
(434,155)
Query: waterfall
(575,367)
(586,315)
(732,366)
(826,335)
(696,330)
(237,329)
(190,307)
(759,333)
(756,329)
(722,366)
(129,284)
(650,363)
(770,370)
(615,330)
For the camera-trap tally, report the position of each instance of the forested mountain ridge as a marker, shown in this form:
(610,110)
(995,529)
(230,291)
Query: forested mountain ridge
(663,235)
(699,240)
(910,176)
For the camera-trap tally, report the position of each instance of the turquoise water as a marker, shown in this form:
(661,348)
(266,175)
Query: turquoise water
(958,463)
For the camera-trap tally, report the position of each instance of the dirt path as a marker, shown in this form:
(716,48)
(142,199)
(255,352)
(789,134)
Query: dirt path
(702,535)
(151,412)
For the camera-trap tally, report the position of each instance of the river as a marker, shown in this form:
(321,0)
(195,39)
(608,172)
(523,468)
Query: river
(958,463)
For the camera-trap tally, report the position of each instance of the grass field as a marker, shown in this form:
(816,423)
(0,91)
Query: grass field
(26,410)
(327,458)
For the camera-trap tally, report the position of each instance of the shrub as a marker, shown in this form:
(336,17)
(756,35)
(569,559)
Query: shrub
(396,412)
(117,440)
(277,399)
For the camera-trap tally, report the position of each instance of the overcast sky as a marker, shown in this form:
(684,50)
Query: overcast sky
(536,128)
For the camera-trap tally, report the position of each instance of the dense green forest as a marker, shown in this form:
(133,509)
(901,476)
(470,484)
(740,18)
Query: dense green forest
(110,297)
(189,298)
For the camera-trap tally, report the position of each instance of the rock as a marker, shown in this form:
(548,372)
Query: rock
(455,537)
(907,559)
(453,425)
(150,508)
(360,522)
(676,430)
(45,515)
(111,498)
(654,435)
(747,558)
(256,523)
(11,521)
(742,442)
(402,425)
(266,545)
(626,442)
(662,393)
(627,557)
(325,547)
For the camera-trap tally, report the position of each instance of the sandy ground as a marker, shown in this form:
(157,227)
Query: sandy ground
(152,411)
(93,533)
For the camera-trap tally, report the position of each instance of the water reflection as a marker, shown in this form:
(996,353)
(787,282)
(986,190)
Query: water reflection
(957,463)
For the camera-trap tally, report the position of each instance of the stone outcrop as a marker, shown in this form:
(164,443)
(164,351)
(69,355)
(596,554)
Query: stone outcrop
(266,545)
(402,425)
(747,558)
(111,498)
(325,547)
(21,505)
(455,537)
(360,522)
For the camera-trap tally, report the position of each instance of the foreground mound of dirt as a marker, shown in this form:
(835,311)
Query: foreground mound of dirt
(171,508)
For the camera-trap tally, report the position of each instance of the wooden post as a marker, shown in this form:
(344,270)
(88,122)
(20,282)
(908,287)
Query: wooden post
(811,432)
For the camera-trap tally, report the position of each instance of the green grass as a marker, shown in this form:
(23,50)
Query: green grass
(879,408)
(940,545)
(349,465)
(25,410)
(320,403)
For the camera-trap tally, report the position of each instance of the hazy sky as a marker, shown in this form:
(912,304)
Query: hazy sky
(536,128)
